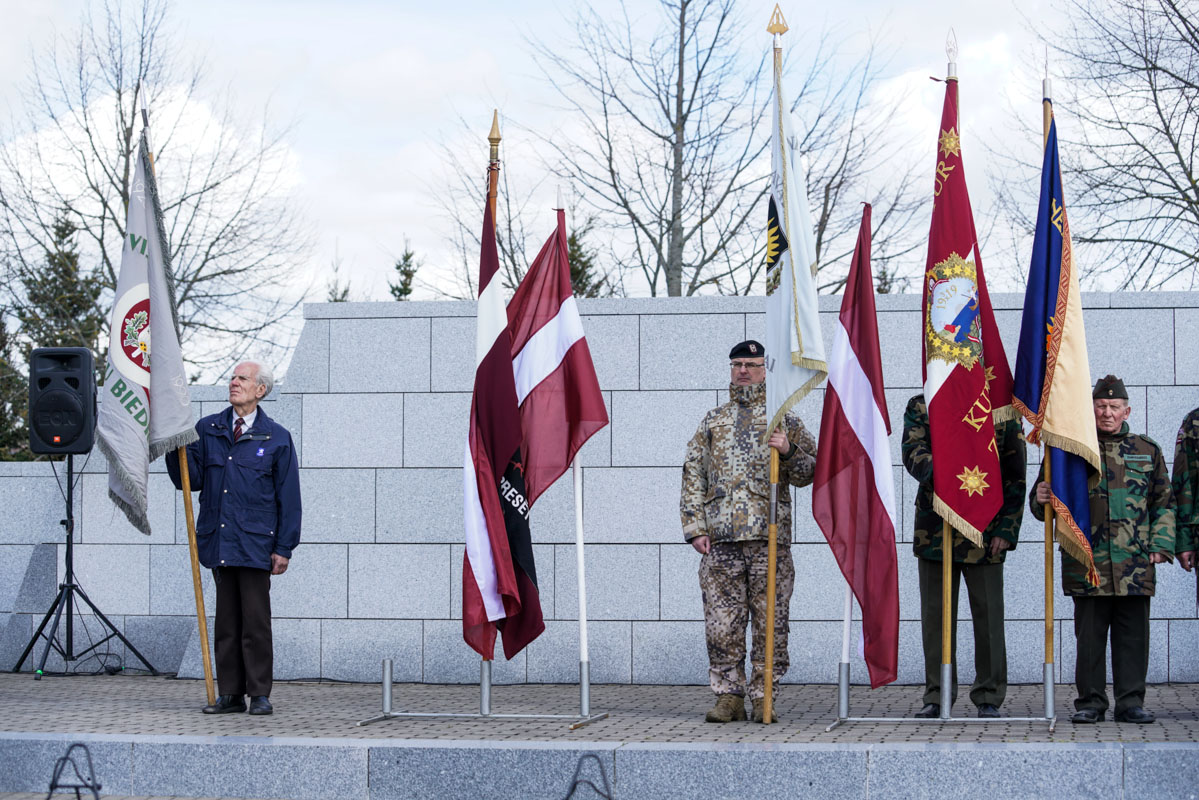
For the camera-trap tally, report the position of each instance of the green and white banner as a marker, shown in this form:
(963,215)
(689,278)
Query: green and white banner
(145,409)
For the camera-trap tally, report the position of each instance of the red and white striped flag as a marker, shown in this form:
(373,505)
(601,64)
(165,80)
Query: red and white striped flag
(499,580)
(853,494)
(561,405)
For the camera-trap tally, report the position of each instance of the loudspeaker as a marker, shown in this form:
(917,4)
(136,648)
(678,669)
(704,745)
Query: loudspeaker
(62,400)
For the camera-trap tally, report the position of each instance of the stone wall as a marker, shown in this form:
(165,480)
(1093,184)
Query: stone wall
(377,396)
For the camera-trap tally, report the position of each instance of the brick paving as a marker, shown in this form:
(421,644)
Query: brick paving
(128,704)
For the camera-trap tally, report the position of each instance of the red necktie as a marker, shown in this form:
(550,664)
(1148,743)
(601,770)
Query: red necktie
(237,429)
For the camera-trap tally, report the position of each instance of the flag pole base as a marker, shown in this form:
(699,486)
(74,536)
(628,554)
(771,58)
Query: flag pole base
(1050,704)
(576,720)
(946,690)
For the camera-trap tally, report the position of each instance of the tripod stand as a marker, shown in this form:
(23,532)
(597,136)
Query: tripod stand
(67,591)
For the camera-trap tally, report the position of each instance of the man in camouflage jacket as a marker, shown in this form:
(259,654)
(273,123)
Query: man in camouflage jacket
(982,567)
(1132,529)
(725,509)
(1186,491)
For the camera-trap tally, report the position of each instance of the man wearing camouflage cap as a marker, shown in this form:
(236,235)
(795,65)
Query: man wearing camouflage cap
(1132,529)
(725,513)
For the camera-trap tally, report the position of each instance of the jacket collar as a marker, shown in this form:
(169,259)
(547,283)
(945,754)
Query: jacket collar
(1114,437)
(748,395)
(262,423)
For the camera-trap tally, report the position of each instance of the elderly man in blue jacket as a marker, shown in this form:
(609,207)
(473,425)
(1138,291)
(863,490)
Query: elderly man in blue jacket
(244,465)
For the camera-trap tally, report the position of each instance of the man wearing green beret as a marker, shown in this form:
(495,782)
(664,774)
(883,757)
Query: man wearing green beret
(1132,529)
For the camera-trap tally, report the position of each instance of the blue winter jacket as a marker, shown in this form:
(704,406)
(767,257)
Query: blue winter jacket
(249,491)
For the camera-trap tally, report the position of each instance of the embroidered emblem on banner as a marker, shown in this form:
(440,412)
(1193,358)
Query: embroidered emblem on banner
(952,330)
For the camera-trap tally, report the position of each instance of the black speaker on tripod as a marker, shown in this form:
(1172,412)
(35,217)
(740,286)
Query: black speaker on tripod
(62,421)
(62,400)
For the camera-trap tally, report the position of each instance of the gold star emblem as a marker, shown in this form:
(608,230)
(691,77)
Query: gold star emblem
(988,375)
(951,145)
(974,481)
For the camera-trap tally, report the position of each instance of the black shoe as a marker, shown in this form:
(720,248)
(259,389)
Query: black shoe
(1087,716)
(988,710)
(930,711)
(1135,714)
(227,704)
(261,705)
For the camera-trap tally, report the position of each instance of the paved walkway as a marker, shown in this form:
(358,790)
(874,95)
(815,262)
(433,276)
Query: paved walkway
(165,706)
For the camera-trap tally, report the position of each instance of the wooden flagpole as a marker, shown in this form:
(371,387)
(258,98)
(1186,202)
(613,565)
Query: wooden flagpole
(1047,120)
(185,480)
(771,566)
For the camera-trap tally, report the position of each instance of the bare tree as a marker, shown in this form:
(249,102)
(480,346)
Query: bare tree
(234,237)
(667,142)
(1129,90)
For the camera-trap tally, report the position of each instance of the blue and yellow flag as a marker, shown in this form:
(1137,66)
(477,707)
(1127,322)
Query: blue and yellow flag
(1053,379)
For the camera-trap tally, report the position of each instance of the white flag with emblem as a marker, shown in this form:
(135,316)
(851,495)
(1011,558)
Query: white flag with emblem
(145,409)
(795,360)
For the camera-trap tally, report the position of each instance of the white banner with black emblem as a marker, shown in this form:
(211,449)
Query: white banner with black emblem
(795,360)
(145,409)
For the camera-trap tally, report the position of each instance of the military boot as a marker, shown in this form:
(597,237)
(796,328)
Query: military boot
(729,707)
(760,710)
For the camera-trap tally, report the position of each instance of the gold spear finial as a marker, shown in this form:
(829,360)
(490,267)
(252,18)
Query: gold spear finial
(777,25)
(494,135)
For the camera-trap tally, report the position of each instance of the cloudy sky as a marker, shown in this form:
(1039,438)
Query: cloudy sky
(377,89)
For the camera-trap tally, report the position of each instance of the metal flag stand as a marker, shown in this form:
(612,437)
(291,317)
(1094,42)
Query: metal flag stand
(951,49)
(584,717)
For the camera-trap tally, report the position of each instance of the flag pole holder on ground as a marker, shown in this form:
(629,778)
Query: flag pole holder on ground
(584,717)
(843,691)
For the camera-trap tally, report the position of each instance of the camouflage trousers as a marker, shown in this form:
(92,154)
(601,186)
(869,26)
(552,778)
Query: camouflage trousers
(732,577)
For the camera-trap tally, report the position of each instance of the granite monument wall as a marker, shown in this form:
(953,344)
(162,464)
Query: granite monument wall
(377,396)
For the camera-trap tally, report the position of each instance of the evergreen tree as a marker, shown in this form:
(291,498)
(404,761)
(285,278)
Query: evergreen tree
(585,279)
(406,266)
(60,303)
(14,399)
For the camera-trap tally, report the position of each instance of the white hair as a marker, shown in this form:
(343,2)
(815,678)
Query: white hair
(266,377)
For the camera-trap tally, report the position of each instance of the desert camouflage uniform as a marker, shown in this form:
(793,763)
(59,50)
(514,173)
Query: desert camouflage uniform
(983,573)
(1186,485)
(726,496)
(1132,516)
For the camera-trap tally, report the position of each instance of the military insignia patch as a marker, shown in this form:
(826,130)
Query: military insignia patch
(951,328)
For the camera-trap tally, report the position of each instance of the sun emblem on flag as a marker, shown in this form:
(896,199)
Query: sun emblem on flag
(974,481)
(952,329)
(950,145)
(776,245)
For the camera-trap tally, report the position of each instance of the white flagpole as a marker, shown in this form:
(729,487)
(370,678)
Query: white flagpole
(584,655)
(843,668)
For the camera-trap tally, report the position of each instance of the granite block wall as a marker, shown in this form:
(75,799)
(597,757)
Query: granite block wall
(377,397)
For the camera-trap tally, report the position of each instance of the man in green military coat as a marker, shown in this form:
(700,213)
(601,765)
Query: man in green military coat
(982,567)
(1132,529)
(1186,491)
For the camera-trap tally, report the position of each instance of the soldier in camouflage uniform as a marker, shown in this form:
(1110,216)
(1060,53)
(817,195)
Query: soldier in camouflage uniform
(725,513)
(1132,528)
(1186,491)
(982,567)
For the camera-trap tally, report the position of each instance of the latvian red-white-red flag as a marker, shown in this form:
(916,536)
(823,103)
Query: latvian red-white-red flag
(499,580)
(561,405)
(853,494)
